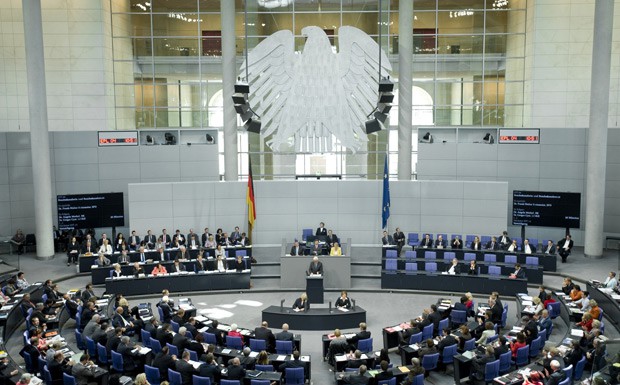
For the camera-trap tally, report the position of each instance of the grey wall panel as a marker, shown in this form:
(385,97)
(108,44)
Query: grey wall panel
(5,193)
(199,170)
(612,223)
(315,189)
(19,158)
(74,139)
(22,192)
(156,179)
(612,189)
(149,192)
(184,208)
(554,184)
(116,185)
(441,190)
(77,172)
(613,153)
(517,169)
(4,160)
(236,190)
(481,225)
(360,205)
(190,191)
(118,155)
(404,205)
(22,210)
(437,151)
(278,205)
(63,156)
(130,171)
(437,168)
(511,152)
(613,171)
(76,187)
(307,205)
(481,191)
(4,175)
(440,207)
(5,210)
(612,207)
(562,153)
(20,175)
(562,170)
(477,168)
(18,141)
(2,141)
(562,136)
(152,209)
(477,151)
(198,153)
(484,208)
(441,224)
(160,170)
(231,208)
(155,154)
(155,224)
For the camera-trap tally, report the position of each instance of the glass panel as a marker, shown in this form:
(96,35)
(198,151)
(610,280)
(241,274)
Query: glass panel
(317,6)
(424,20)
(495,44)
(422,5)
(363,5)
(465,67)
(460,4)
(366,21)
(454,45)
(176,24)
(497,21)
(515,45)
(268,23)
(327,21)
(460,22)
(176,47)
(125,24)
(126,48)
(166,6)
(209,5)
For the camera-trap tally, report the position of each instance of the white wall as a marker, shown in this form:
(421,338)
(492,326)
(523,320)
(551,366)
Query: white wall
(351,208)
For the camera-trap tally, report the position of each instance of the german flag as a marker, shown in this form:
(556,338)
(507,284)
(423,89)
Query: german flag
(250,198)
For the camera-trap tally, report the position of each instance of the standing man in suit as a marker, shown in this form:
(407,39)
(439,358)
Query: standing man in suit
(185,368)
(235,236)
(564,247)
(205,236)
(331,239)
(399,238)
(296,249)
(321,230)
(134,240)
(316,267)
(387,238)
(492,244)
(178,239)
(150,240)
(427,241)
(285,335)
(165,239)
(504,240)
(263,332)
(550,248)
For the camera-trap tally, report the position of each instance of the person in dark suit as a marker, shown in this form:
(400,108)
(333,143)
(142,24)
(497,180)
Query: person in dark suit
(383,374)
(219,336)
(550,248)
(456,243)
(245,360)
(473,268)
(137,270)
(434,317)
(165,238)
(343,302)
(501,346)
(427,347)
(294,363)
(73,251)
(479,364)
(301,303)
(528,248)
(426,242)
(177,267)
(200,263)
(440,243)
(475,244)
(263,332)
(164,334)
(71,305)
(557,374)
(565,245)
(131,360)
(461,304)
(492,244)
(316,248)
(316,267)
(152,326)
(190,326)
(496,311)
(134,241)
(185,368)
(210,368)
(454,268)
(504,240)
(356,361)
(57,367)
(321,230)
(399,239)
(114,341)
(285,335)
(363,334)
(387,238)
(357,378)
(166,309)
(519,272)
(447,339)
(180,340)
(164,361)
(296,249)
(235,370)
(205,236)
(84,371)
(331,238)
(149,240)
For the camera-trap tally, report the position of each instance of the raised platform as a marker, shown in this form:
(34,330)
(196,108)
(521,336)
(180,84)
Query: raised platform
(314,319)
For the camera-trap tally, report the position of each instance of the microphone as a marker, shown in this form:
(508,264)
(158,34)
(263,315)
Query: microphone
(352,300)
(281,305)
(330,306)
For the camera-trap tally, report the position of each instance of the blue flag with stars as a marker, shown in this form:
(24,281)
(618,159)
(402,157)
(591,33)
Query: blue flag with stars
(385,211)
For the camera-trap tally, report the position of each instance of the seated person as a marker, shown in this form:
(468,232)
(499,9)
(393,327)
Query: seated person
(102,260)
(343,302)
(239,263)
(335,250)
(475,244)
(527,248)
(331,239)
(456,243)
(480,362)
(518,273)
(513,247)
(387,239)
(611,281)
(301,303)
(550,248)
(296,249)
(473,268)
(137,270)
(123,259)
(447,339)
(427,347)
(316,248)
(116,273)
(504,240)
(492,244)
(426,242)
(454,268)
(440,243)
(178,267)
(384,374)
(159,269)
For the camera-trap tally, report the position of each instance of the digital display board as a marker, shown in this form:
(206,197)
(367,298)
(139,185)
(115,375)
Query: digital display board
(118,138)
(519,135)
(86,211)
(546,209)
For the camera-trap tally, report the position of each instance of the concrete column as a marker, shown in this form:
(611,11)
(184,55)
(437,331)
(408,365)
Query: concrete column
(597,132)
(405,85)
(229,75)
(39,134)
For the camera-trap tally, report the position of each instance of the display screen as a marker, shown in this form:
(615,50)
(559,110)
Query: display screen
(546,209)
(519,135)
(90,211)
(118,138)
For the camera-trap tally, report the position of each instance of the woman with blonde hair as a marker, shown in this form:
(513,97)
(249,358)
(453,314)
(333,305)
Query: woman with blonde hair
(301,303)
(141,379)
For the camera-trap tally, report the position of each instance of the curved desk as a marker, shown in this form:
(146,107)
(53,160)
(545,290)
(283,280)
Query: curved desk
(421,280)
(86,261)
(179,282)
(605,301)
(314,319)
(99,274)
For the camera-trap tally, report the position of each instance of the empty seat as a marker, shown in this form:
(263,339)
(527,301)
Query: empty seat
(490,258)
(430,266)
(391,264)
(430,255)
(470,256)
(412,239)
(510,259)
(391,253)
(495,270)
(531,261)
(449,255)
(411,266)
(410,254)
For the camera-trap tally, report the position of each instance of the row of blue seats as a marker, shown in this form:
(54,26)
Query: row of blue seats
(391,265)
(449,255)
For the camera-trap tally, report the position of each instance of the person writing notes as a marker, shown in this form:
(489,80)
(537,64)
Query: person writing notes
(301,303)
(518,273)
(336,250)
(316,267)
(343,302)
